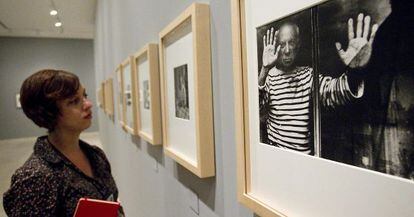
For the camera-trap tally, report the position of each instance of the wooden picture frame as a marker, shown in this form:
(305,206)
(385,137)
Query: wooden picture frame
(148,109)
(120,96)
(109,97)
(305,185)
(129,103)
(188,38)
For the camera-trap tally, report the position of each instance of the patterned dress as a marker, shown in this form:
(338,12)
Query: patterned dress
(48,184)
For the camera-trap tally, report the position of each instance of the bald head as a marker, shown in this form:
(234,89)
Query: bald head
(289,44)
(289,29)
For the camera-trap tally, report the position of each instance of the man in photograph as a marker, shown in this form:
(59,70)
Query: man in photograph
(286,88)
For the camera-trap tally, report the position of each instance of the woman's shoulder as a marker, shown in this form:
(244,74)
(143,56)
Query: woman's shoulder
(34,189)
(34,170)
(37,168)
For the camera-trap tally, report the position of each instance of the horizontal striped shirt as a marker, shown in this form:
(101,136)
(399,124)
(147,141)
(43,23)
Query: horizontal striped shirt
(289,99)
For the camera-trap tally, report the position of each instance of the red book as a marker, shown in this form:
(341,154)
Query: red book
(96,208)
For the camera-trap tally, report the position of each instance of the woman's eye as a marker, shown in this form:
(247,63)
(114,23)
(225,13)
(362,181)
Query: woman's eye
(75,101)
(85,95)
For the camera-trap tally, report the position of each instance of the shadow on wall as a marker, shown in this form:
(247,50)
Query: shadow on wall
(205,188)
(155,151)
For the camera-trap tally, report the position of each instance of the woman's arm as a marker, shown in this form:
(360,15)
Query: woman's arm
(32,195)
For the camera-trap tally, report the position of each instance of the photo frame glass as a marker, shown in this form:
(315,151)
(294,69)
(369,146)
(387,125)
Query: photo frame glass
(120,95)
(179,76)
(109,97)
(143,75)
(127,81)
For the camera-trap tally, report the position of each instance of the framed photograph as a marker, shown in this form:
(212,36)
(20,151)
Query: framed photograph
(120,96)
(186,94)
(100,97)
(322,105)
(147,82)
(109,97)
(129,106)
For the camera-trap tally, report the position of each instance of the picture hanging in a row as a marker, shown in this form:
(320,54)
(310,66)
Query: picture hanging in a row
(147,83)
(105,98)
(186,90)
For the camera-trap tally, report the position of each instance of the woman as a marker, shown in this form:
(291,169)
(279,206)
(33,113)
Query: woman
(62,168)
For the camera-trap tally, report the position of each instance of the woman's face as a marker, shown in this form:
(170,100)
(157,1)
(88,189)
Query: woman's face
(75,112)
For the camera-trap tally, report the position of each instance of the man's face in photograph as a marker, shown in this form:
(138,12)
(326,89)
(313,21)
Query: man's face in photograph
(289,44)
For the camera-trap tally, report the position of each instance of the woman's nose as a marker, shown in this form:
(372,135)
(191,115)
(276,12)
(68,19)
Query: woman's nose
(87,104)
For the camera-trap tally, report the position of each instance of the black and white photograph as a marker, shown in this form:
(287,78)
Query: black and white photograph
(363,55)
(372,42)
(285,69)
(128,95)
(181,92)
(146,94)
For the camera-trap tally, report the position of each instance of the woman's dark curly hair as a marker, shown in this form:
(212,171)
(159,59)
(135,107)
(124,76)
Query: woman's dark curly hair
(41,91)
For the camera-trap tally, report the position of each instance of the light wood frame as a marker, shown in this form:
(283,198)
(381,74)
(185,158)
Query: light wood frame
(120,95)
(130,129)
(332,197)
(242,120)
(109,97)
(150,51)
(199,14)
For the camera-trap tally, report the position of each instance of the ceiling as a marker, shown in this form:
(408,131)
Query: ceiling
(31,18)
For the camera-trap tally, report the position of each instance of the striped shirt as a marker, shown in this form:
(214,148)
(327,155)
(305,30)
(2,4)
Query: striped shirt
(289,100)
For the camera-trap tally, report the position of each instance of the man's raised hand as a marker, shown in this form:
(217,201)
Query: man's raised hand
(359,48)
(270,52)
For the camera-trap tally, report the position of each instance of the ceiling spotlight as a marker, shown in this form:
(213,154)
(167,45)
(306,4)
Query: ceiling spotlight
(58,24)
(53,12)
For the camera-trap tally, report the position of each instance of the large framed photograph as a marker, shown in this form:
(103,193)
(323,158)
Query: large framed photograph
(109,97)
(129,105)
(323,101)
(147,82)
(185,68)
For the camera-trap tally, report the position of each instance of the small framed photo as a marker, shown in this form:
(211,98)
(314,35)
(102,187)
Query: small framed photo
(186,94)
(109,97)
(147,82)
(120,96)
(129,109)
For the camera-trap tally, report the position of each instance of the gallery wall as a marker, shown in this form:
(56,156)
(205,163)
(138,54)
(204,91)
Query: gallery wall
(20,57)
(150,183)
